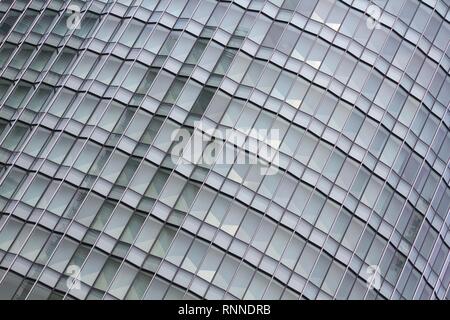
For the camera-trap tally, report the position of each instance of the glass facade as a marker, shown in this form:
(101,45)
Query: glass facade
(352,201)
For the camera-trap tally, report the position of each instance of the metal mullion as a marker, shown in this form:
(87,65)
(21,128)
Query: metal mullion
(18,200)
(325,165)
(425,214)
(428,210)
(366,115)
(103,168)
(434,194)
(371,211)
(207,174)
(184,187)
(429,109)
(403,40)
(252,90)
(376,201)
(411,148)
(360,111)
(439,232)
(395,29)
(347,191)
(300,179)
(363,62)
(441,275)
(34,54)
(13,2)
(441,14)
(28,275)
(131,179)
(283,175)
(70,223)
(25,142)
(366,223)
(7,10)
(398,34)
(195,235)
(242,150)
(31,134)
(360,164)
(51,233)
(173,170)
(421,277)
(53,194)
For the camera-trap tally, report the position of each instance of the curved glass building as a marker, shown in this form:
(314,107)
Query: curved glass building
(203,149)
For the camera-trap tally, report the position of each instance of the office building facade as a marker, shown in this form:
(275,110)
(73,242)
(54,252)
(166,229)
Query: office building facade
(203,149)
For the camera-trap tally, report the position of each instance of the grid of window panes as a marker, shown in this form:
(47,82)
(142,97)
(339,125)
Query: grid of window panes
(87,180)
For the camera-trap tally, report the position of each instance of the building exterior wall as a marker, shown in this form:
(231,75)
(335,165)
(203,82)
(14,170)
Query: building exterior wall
(186,149)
